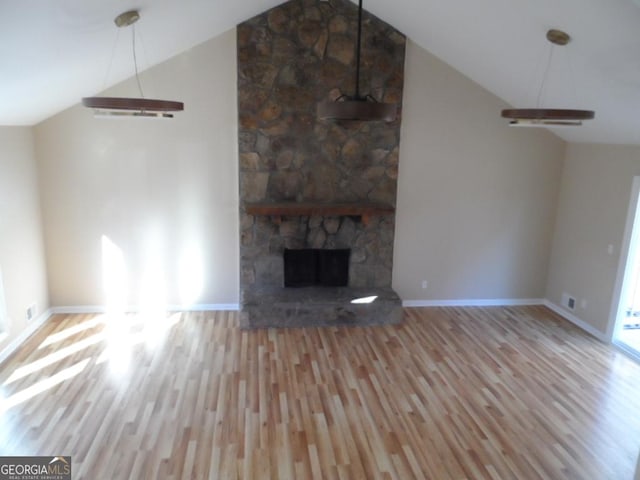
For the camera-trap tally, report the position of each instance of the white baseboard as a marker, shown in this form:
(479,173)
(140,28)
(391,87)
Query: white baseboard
(200,307)
(494,302)
(26,333)
(507,302)
(205,307)
(501,302)
(576,321)
(78,309)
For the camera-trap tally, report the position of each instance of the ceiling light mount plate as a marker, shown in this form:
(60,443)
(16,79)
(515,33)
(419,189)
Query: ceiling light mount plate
(127,18)
(558,37)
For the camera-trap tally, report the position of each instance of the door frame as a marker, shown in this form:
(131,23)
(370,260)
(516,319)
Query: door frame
(627,259)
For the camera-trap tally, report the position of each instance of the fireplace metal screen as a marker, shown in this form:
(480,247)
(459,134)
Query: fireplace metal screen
(316,267)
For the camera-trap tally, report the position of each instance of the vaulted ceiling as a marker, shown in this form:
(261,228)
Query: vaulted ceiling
(54,52)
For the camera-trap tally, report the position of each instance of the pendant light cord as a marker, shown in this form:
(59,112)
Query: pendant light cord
(110,64)
(135,59)
(544,77)
(357,96)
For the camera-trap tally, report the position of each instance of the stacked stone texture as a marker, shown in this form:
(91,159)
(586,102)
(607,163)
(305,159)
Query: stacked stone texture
(290,58)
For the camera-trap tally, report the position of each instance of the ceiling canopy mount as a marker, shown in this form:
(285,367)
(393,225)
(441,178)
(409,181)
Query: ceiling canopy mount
(127,19)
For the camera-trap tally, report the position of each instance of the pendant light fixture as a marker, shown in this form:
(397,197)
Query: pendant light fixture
(357,107)
(546,117)
(132,107)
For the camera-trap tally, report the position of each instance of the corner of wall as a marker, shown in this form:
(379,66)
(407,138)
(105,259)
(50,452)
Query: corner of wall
(18,340)
(577,321)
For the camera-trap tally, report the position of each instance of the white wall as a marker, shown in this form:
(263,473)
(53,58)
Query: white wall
(592,210)
(21,247)
(164,192)
(476,199)
(476,204)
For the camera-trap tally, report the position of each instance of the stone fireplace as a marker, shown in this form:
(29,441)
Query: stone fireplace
(309,186)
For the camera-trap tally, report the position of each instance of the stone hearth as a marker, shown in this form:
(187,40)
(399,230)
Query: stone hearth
(320,306)
(307,183)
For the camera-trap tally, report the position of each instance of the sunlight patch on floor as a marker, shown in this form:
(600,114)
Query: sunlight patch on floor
(71,331)
(42,386)
(54,357)
(124,333)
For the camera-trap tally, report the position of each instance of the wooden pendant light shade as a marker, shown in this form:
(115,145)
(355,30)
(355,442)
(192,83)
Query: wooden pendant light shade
(546,116)
(141,107)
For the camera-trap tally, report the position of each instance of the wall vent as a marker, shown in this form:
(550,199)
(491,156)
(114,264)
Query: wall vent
(568,301)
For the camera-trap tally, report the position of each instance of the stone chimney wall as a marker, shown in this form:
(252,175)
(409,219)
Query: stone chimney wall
(290,58)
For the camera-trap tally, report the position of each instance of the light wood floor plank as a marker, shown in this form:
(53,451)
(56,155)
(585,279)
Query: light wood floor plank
(451,393)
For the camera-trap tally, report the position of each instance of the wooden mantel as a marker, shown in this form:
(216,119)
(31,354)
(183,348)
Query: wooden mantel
(289,209)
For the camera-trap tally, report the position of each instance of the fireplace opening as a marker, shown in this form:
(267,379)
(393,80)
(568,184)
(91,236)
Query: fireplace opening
(308,267)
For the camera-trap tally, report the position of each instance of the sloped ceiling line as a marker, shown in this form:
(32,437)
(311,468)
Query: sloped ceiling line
(53,53)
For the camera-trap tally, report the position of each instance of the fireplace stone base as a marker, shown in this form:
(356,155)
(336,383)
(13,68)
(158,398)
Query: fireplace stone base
(319,307)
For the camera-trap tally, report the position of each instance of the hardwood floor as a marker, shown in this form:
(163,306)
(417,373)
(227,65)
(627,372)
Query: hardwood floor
(451,393)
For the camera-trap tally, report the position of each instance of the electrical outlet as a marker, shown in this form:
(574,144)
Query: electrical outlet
(425,284)
(31,311)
